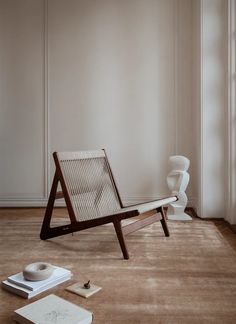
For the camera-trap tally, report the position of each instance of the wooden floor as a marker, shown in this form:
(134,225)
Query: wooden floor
(189,277)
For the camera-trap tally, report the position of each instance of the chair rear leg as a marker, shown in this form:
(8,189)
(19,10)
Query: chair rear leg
(45,229)
(120,236)
(163,222)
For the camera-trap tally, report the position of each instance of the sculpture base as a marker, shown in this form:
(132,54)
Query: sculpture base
(180,217)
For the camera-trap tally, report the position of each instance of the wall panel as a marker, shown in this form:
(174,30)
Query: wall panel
(105,74)
(213,108)
(22,166)
(112,78)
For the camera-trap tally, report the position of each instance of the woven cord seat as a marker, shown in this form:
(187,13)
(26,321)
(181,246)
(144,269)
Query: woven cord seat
(92,198)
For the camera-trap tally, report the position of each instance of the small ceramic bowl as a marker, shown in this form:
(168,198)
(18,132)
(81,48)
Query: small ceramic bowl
(38,271)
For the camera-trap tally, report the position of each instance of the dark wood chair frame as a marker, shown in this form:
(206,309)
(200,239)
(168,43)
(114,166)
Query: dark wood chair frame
(48,232)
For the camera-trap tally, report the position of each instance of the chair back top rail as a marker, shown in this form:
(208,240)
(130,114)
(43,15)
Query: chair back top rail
(80,155)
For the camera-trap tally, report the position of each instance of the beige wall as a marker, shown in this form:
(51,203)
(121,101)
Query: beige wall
(79,74)
(22,124)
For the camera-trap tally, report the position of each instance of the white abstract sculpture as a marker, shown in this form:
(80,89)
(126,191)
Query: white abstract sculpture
(177,181)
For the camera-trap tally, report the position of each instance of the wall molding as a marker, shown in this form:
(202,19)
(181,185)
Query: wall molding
(20,200)
(201,180)
(175,60)
(46,106)
(42,202)
(23,202)
(231,114)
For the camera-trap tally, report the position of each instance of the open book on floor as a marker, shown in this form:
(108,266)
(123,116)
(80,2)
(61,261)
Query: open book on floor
(52,310)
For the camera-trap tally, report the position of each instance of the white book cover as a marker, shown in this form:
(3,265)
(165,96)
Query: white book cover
(57,274)
(26,293)
(53,310)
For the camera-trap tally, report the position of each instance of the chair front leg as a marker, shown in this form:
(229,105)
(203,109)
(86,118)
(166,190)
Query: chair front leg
(121,239)
(163,221)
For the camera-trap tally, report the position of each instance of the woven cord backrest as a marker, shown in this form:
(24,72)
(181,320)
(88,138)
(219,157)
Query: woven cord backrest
(89,182)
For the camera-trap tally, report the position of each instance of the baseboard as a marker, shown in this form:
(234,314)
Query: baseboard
(22,202)
(42,202)
(217,219)
(191,211)
(232,227)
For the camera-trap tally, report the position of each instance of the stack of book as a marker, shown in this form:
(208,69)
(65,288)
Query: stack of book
(28,289)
